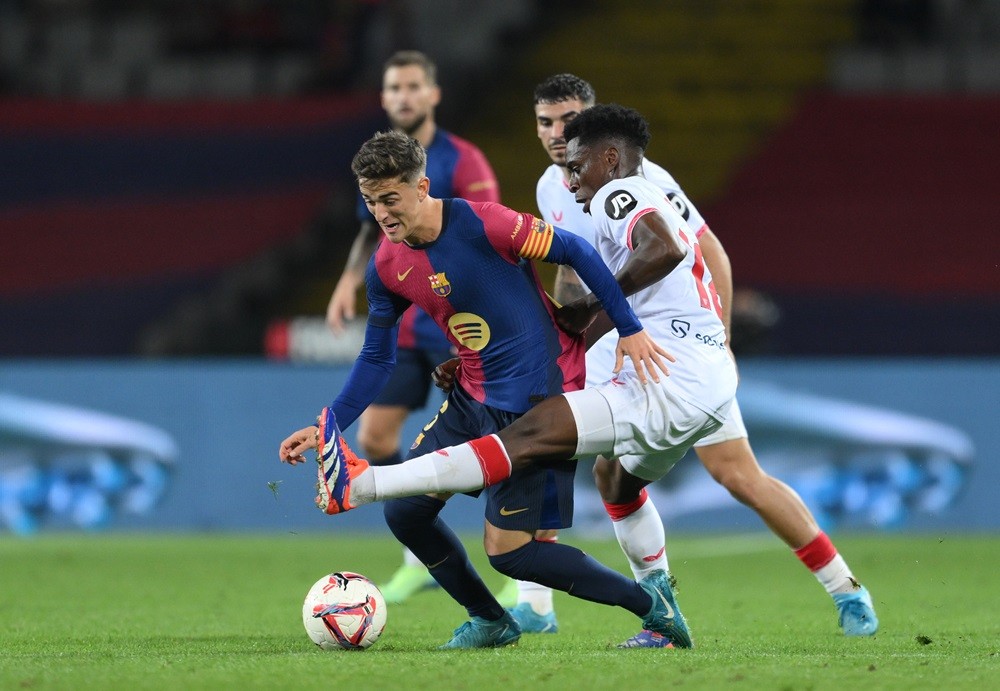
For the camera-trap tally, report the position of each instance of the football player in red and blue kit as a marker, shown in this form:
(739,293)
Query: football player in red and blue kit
(456,168)
(468,265)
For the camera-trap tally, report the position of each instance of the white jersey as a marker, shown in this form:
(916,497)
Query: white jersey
(681,311)
(558,205)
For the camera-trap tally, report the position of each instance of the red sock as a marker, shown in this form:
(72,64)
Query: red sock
(817,553)
(492,459)
(620,511)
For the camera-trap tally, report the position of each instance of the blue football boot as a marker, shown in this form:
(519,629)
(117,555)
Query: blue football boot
(531,621)
(664,617)
(857,613)
(483,633)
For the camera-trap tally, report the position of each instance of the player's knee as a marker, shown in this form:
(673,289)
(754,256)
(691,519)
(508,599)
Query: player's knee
(410,515)
(614,483)
(604,475)
(377,444)
(517,563)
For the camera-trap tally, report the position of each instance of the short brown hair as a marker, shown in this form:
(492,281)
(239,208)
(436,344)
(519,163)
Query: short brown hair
(404,58)
(390,155)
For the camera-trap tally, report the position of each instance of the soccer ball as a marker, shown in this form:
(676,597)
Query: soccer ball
(344,611)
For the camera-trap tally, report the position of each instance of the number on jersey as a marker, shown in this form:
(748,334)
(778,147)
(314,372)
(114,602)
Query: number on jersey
(707,294)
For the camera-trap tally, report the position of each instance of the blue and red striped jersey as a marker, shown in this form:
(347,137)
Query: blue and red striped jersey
(477,283)
(456,168)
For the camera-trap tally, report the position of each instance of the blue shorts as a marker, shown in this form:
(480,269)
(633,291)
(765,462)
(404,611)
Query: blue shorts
(539,497)
(410,381)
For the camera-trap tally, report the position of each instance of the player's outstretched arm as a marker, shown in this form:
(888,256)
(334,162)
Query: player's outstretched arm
(566,248)
(344,301)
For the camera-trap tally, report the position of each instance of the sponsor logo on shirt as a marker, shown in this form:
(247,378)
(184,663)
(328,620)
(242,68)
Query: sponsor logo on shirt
(618,204)
(680,203)
(471,330)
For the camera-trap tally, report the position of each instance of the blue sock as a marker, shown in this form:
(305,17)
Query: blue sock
(395,458)
(568,569)
(415,523)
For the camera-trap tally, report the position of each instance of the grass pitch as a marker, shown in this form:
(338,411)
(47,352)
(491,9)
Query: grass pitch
(223,612)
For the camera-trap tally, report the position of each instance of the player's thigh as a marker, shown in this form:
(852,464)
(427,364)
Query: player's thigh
(459,419)
(536,497)
(380,422)
(647,427)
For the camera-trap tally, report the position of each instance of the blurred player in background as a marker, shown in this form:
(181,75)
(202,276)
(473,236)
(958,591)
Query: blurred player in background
(469,265)
(726,453)
(456,168)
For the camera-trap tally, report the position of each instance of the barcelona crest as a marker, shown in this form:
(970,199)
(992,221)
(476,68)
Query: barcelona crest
(440,285)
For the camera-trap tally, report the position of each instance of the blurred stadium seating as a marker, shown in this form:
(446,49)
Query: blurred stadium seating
(180,168)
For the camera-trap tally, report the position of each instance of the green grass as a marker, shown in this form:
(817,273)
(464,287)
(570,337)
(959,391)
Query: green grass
(221,612)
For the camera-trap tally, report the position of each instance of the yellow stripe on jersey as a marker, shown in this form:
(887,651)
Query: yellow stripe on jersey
(538,241)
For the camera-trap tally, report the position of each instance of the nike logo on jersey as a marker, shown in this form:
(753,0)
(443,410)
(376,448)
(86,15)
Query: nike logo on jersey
(402,276)
(504,511)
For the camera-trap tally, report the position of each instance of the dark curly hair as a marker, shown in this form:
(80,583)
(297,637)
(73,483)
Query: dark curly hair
(390,155)
(565,87)
(609,121)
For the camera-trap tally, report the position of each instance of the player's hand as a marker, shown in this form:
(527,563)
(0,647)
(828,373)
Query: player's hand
(444,374)
(343,305)
(295,445)
(645,353)
(575,317)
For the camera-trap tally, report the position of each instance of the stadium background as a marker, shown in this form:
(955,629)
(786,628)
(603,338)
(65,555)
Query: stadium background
(176,205)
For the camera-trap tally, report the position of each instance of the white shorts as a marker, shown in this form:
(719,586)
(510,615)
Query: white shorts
(647,428)
(732,428)
(601,359)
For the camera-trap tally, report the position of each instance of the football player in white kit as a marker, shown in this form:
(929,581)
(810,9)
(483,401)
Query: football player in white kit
(725,453)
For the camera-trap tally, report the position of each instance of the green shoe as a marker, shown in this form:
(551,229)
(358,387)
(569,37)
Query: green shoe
(483,633)
(408,580)
(507,597)
(665,617)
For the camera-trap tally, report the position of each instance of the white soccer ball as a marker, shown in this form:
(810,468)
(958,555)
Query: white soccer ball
(344,611)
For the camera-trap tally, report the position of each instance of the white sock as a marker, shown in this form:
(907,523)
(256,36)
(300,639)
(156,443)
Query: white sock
(537,595)
(642,539)
(410,559)
(453,469)
(836,577)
